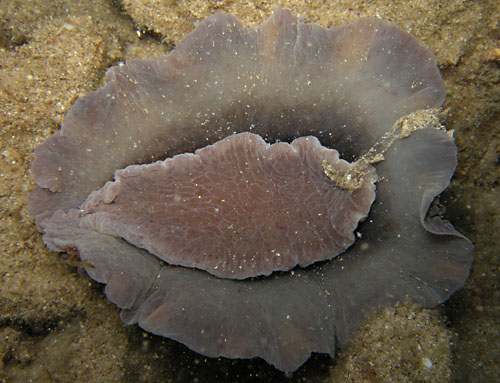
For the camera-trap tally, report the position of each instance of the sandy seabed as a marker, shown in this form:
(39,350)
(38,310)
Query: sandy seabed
(57,326)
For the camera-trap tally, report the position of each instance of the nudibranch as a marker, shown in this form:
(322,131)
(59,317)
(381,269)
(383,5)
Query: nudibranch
(257,192)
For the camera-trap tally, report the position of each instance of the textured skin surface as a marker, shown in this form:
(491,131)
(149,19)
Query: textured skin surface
(237,209)
(347,86)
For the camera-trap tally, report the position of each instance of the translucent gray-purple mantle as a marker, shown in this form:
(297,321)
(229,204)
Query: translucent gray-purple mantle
(244,248)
